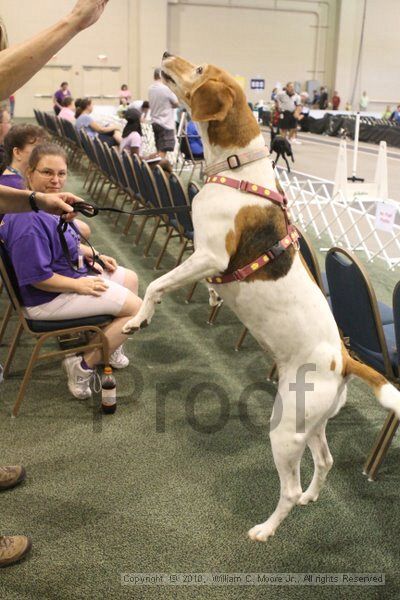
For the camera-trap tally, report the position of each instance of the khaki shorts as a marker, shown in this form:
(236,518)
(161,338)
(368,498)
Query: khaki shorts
(78,306)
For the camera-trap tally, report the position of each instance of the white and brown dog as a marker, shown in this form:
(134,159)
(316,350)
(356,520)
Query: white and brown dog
(279,303)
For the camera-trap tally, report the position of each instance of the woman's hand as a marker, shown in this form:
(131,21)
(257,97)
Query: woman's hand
(109,262)
(90,286)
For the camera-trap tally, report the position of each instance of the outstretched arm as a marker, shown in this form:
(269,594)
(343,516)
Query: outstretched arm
(20,62)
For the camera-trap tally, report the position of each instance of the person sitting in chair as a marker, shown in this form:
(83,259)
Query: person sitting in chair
(59,285)
(195,143)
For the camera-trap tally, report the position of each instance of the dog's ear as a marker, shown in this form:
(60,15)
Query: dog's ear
(211,101)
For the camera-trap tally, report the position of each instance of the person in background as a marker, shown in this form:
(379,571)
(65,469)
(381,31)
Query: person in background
(5,124)
(395,115)
(387,113)
(195,143)
(12,105)
(132,132)
(60,95)
(364,101)
(335,101)
(66,111)
(18,145)
(125,93)
(122,108)
(109,134)
(162,104)
(288,101)
(323,98)
(274,94)
(316,97)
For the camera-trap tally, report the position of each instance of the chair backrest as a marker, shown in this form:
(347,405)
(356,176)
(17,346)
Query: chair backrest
(110,162)
(130,174)
(88,146)
(396,315)
(162,183)
(101,157)
(50,123)
(119,168)
(150,184)
(136,162)
(310,257)
(355,307)
(193,189)
(179,198)
(70,131)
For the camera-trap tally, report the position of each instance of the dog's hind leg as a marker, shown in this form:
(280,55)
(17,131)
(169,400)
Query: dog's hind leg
(287,448)
(323,462)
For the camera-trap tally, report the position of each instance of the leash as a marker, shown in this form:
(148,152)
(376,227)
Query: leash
(90,210)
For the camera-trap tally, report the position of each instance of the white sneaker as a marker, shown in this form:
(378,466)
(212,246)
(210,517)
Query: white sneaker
(78,378)
(118,359)
(296,141)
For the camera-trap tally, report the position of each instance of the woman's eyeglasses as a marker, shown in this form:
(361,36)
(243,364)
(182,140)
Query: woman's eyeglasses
(49,174)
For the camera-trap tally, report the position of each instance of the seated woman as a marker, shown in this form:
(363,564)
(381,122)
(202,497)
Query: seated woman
(66,111)
(132,141)
(18,146)
(55,286)
(110,134)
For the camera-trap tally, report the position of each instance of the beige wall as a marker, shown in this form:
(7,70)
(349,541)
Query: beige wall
(273,40)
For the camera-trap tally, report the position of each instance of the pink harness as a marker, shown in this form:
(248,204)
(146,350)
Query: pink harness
(291,237)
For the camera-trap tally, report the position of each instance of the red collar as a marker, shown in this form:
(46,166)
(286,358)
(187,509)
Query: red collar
(291,237)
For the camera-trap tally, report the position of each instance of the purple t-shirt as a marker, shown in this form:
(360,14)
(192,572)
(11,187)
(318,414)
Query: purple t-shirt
(14,181)
(33,245)
(60,95)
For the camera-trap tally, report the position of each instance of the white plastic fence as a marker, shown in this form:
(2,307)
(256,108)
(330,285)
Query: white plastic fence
(334,220)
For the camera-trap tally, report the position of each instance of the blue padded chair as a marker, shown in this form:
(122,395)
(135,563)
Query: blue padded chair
(356,311)
(193,189)
(389,428)
(44,330)
(183,218)
(357,314)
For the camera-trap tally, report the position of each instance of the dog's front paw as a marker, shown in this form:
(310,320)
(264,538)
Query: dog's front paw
(261,532)
(135,324)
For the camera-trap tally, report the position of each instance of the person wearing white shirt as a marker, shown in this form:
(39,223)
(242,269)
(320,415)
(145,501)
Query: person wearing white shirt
(162,104)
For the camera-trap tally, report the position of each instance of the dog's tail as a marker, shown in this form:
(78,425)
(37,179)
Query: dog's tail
(386,393)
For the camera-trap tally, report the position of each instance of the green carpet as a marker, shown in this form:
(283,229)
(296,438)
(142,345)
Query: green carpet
(146,491)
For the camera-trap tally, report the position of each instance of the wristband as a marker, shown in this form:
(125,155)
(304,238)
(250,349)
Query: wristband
(32,202)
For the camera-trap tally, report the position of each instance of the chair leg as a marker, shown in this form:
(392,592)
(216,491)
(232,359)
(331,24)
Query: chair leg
(140,230)
(191,292)
(381,446)
(11,352)
(26,378)
(213,313)
(152,236)
(5,321)
(241,339)
(273,372)
(164,248)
